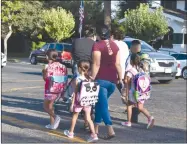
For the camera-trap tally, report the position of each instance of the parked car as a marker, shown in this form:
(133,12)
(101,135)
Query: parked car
(182,57)
(3,60)
(178,75)
(163,67)
(64,50)
(166,51)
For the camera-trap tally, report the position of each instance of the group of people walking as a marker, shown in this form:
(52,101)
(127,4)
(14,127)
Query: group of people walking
(108,62)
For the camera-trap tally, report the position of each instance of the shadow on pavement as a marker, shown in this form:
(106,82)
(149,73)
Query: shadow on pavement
(17,138)
(137,133)
(32,73)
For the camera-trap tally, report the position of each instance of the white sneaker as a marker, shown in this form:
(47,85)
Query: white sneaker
(49,126)
(128,124)
(68,134)
(151,121)
(57,121)
(93,138)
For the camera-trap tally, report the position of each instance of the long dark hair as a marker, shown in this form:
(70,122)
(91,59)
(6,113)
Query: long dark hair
(84,65)
(52,54)
(135,60)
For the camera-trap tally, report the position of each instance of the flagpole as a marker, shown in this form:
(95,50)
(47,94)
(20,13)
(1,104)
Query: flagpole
(81,13)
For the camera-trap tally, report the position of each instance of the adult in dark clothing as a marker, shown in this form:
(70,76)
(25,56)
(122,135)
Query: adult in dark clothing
(82,50)
(82,47)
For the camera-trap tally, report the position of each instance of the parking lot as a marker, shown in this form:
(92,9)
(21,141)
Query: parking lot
(24,120)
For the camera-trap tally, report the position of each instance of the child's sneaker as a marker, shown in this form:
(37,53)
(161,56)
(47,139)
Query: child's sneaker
(57,121)
(68,134)
(49,126)
(93,138)
(126,124)
(151,121)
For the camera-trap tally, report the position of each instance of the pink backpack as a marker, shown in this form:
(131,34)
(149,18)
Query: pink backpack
(57,74)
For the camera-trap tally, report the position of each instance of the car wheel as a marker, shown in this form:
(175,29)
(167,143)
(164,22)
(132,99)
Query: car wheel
(33,60)
(184,73)
(165,81)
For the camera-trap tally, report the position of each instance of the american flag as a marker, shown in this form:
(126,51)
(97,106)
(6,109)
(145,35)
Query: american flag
(81,13)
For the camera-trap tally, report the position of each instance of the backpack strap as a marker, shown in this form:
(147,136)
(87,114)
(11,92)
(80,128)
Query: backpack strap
(127,61)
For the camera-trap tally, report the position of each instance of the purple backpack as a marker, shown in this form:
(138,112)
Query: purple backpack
(142,85)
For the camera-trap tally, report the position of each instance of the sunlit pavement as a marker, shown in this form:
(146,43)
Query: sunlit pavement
(23,118)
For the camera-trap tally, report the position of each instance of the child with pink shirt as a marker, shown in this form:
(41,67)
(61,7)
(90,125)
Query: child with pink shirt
(83,68)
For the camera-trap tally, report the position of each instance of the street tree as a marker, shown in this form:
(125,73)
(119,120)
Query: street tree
(93,12)
(9,11)
(124,5)
(58,23)
(29,19)
(144,24)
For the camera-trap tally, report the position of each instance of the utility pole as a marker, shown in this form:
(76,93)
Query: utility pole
(107,13)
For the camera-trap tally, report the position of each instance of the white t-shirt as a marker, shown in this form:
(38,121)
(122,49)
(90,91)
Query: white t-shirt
(128,65)
(124,53)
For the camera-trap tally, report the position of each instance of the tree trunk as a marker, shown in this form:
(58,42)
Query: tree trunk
(6,39)
(107,13)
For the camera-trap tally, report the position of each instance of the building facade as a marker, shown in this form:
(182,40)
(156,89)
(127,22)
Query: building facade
(176,13)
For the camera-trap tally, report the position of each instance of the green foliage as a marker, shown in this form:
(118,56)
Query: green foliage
(29,18)
(58,23)
(144,24)
(93,11)
(9,11)
(115,25)
(37,45)
(124,5)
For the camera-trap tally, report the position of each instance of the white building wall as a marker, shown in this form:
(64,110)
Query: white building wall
(177,26)
(181,5)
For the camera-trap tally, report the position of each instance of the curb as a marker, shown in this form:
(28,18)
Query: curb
(13,60)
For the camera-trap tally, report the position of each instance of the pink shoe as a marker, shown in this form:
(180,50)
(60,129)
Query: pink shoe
(93,138)
(68,134)
(128,124)
(151,121)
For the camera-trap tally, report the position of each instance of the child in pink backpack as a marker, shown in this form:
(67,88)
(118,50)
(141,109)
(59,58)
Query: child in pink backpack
(76,108)
(55,77)
(130,89)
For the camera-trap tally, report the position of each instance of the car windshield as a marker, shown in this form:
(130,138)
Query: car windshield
(147,48)
(144,46)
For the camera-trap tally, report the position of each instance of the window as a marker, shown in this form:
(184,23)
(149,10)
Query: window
(146,47)
(180,56)
(67,47)
(51,46)
(186,5)
(128,43)
(177,38)
(175,55)
(45,47)
(59,47)
(185,38)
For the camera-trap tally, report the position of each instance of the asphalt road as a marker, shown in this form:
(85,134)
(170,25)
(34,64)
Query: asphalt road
(23,118)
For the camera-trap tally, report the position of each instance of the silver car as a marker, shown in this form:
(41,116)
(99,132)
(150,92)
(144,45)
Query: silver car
(163,67)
